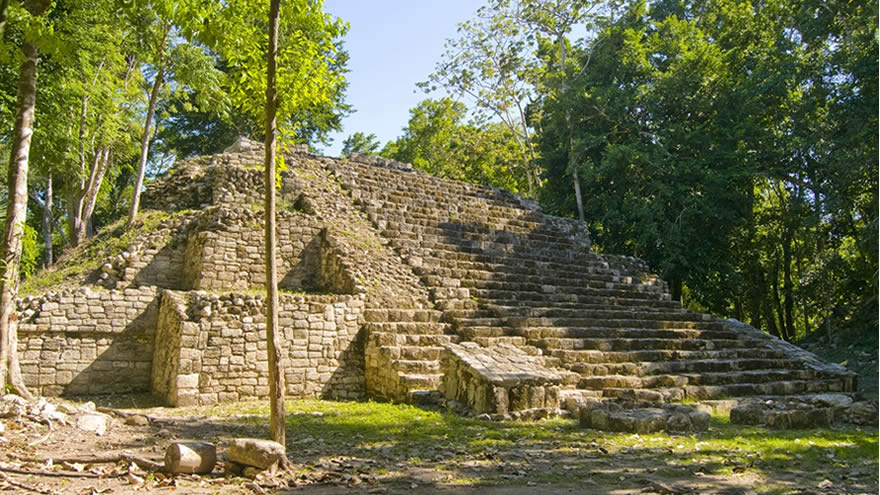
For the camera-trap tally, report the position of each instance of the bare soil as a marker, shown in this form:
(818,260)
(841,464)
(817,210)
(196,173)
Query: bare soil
(32,461)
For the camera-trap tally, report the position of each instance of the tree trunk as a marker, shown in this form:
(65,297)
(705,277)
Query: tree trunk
(675,288)
(4,9)
(777,302)
(273,341)
(15,217)
(47,225)
(81,203)
(788,285)
(572,161)
(145,141)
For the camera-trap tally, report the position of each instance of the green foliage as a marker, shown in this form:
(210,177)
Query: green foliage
(705,144)
(310,62)
(86,258)
(437,140)
(365,144)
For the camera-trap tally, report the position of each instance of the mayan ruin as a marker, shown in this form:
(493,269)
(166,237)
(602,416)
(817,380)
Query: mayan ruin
(396,286)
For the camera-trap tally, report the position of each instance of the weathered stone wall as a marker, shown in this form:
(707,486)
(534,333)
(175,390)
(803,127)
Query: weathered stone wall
(227,253)
(222,347)
(154,260)
(171,364)
(87,341)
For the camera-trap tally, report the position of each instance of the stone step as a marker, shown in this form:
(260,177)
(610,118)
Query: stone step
(440,254)
(638,330)
(407,327)
(568,357)
(382,315)
(544,285)
(426,203)
(369,180)
(621,320)
(395,339)
(645,368)
(710,392)
(474,332)
(507,307)
(420,353)
(414,382)
(586,296)
(553,280)
(455,304)
(603,311)
(604,382)
(640,344)
(459,314)
(376,187)
(487,239)
(393,224)
(518,342)
(576,264)
(415,367)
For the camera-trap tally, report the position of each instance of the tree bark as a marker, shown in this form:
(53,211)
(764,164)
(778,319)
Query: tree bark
(47,225)
(81,203)
(572,161)
(4,9)
(15,217)
(145,141)
(788,284)
(273,341)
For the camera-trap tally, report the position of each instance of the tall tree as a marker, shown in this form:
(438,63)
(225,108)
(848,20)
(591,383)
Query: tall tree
(491,63)
(273,337)
(300,73)
(16,210)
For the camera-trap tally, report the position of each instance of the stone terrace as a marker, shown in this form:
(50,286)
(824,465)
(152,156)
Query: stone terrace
(399,286)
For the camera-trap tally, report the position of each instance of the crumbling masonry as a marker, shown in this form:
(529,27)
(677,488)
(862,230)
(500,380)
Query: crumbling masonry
(396,285)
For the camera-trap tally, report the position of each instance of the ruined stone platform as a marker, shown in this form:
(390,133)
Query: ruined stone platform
(395,284)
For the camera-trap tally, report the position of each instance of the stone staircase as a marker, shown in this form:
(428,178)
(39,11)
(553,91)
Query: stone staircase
(502,272)
(403,350)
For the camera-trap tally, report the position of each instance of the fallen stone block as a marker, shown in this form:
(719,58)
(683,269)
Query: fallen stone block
(803,412)
(95,422)
(190,457)
(254,452)
(642,417)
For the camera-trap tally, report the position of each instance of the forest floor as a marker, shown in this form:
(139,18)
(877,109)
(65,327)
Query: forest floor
(380,448)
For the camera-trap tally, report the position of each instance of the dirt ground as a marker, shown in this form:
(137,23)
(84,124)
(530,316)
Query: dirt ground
(38,458)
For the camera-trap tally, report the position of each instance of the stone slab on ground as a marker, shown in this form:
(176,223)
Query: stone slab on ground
(805,411)
(642,417)
(260,454)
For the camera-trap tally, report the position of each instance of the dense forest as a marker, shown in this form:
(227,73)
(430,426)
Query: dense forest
(731,144)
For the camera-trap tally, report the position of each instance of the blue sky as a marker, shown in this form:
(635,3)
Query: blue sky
(393,44)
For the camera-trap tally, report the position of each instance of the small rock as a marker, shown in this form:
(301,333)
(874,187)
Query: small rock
(137,420)
(94,422)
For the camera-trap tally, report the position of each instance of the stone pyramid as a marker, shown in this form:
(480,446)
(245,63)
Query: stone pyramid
(396,285)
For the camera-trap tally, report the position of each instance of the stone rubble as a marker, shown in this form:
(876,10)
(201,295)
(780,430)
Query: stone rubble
(639,417)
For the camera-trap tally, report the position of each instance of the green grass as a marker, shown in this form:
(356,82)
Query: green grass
(110,241)
(558,451)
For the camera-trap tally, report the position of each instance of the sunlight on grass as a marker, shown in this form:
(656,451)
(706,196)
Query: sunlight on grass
(509,452)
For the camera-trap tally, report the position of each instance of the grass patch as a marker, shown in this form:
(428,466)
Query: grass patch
(558,451)
(110,241)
